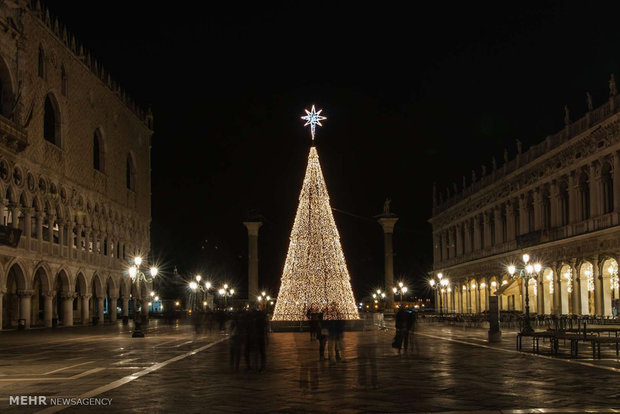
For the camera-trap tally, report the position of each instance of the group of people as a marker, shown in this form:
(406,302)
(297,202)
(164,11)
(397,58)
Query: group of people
(405,322)
(248,332)
(328,332)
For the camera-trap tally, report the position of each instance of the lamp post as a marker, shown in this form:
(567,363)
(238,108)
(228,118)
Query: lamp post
(226,292)
(526,272)
(138,277)
(439,285)
(379,296)
(400,290)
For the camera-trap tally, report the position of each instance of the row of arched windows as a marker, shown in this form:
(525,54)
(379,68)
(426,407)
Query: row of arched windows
(51,133)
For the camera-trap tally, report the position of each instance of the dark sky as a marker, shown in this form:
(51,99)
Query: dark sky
(412,95)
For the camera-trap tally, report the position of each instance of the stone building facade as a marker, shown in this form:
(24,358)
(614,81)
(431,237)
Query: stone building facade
(559,202)
(74,176)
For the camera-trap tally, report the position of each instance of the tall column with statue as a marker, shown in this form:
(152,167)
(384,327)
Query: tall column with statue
(388,220)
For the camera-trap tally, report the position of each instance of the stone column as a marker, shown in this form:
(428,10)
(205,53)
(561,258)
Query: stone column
(51,218)
(2,292)
(487,293)
(61,235)
(576,289)
(594,181)
(112,308)
(557,290)
(573,201)
(616,183)
(100,310)
(25,311)
(125,302)
(598,286)
(436,249)
(554,204)
(540,295)
(253,227)
(39,227)
(478,298)
(67,308)
(28,225)
(85,309)
(48,307)
(15,209)
(388,223)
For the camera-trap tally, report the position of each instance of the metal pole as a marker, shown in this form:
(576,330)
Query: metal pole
(527,327)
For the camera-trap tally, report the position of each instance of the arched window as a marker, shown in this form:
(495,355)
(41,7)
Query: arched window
(51,125)
(98,153)
(41,62)
(63,81)
(130,174)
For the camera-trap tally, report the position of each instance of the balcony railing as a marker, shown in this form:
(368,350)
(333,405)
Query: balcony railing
(12,136)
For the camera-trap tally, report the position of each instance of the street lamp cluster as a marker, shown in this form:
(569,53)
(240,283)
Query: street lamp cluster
(266,299)
(138,277)
(400,290)
(526,272)
(442,284)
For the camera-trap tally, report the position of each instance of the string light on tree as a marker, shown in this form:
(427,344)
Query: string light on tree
(315,272)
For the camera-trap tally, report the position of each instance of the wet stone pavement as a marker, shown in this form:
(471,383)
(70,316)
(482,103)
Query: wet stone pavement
(450,369)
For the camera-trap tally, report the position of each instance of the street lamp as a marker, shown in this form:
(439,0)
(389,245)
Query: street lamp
(226,292)
(138,277)
(440,284)
(400,290)
(527,272)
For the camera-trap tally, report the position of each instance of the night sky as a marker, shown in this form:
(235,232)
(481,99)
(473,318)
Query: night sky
(412,95)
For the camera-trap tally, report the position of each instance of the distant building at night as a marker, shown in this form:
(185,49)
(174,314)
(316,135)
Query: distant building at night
(559,202)
(74,176)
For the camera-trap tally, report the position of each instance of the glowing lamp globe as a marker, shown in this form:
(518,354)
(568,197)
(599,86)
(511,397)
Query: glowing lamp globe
(154,271)
(132,272)
(193,285)
(137,260)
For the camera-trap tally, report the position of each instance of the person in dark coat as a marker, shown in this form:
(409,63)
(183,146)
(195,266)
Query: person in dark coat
(402,329)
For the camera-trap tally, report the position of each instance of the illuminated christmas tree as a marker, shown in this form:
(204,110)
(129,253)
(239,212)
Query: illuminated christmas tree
(315,273)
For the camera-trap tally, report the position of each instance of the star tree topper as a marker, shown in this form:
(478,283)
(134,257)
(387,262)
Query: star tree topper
(313,118)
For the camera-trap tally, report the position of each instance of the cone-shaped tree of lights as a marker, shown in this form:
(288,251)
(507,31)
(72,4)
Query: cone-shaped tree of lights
(315,273)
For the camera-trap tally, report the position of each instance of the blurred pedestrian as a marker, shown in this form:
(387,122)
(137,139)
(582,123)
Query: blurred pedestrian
(236,340)
(322,335)
(402,329)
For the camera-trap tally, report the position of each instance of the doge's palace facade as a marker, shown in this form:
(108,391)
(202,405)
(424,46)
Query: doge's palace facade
(74,176)
(559,202)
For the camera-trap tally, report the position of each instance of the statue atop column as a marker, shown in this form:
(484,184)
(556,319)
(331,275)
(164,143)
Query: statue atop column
(494,163)
(589,101)
(505,156)
(386,206)
(519,146)
(566,115)
(612,86)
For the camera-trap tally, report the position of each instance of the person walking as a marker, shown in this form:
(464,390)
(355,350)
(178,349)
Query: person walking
(402,329)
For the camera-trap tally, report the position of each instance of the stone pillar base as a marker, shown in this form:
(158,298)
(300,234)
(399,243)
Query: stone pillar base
(495,336)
